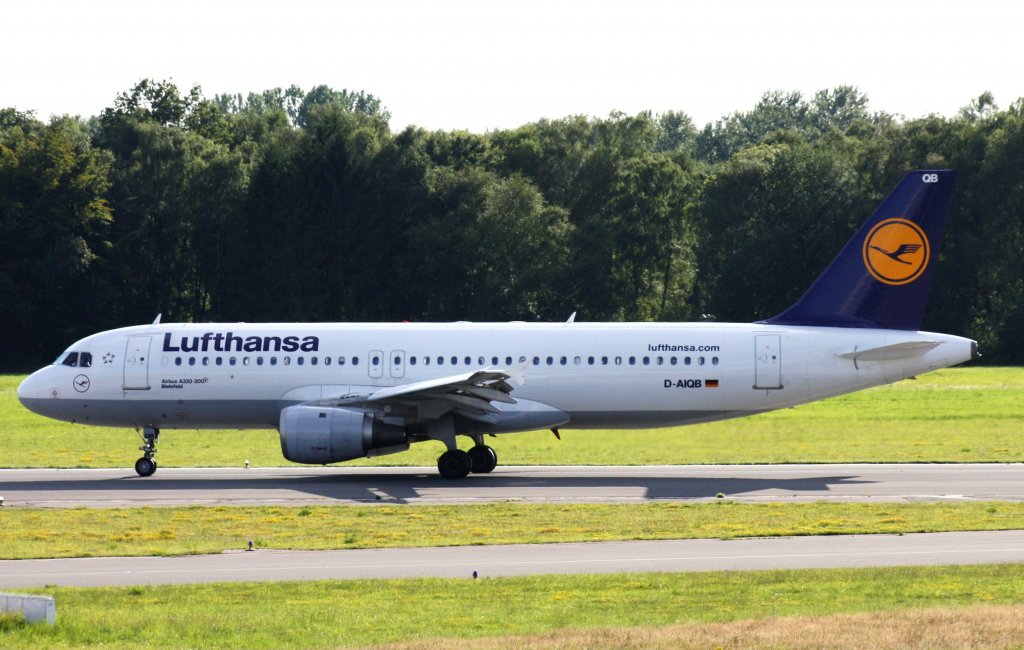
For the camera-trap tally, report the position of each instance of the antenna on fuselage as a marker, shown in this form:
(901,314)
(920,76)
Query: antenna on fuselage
(156,321)
(572,319)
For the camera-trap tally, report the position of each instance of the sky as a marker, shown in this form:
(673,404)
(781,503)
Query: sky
(483,65)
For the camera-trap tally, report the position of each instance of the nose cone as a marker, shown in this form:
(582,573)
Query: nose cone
(32,394)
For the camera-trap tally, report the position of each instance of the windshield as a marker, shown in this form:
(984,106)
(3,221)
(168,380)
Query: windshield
(74,359)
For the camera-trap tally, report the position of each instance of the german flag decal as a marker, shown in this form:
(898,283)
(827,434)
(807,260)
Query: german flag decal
(711,383)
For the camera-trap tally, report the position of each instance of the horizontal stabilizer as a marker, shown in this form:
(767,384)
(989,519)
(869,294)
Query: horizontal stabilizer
(894,351)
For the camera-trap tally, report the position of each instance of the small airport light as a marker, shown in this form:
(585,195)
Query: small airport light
(250,544)
(1,501)
(246,463)
(474,575)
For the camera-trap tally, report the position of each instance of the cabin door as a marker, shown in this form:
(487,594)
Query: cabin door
(136,363)
(767,362)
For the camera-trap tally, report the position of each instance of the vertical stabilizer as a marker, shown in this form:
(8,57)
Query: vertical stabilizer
(882,276)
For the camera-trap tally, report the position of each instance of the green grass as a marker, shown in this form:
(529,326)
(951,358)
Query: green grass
(79,532)
(956,415)
(357,613)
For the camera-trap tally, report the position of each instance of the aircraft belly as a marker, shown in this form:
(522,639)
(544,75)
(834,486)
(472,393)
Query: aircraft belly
(164,414)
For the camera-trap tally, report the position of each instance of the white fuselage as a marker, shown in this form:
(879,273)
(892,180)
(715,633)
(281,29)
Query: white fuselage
(603,375)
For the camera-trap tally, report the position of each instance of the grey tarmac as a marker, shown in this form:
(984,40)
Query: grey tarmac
(535,484)
(525,559)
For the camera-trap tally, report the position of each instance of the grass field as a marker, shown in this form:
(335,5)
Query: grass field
(970,414)
(359,613)
(80,532)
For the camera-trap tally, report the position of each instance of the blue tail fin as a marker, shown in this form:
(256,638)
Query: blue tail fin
(881,277)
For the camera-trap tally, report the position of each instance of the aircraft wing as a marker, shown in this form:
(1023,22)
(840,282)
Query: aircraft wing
(469,394)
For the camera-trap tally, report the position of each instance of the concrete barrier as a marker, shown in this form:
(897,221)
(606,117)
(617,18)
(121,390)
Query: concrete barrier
(36,609)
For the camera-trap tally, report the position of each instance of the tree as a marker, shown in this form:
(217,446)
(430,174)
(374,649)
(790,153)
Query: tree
(54,235)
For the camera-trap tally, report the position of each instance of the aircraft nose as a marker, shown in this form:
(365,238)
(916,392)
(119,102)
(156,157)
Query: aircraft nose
(25,389)
(31,392)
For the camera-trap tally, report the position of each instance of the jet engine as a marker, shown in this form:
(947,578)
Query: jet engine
(318,435)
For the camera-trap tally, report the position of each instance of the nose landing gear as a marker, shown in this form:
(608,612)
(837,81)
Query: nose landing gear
(146,465)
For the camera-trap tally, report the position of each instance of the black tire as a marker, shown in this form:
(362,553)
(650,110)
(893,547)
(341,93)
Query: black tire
(483,458)
(454,463)
(145,466)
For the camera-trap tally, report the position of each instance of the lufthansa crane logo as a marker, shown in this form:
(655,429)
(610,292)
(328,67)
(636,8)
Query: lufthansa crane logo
(896,252)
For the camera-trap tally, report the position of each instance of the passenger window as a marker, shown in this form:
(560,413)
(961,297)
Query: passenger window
(536,361)
(590,361)
(714,361)
(455,361)
(220,361)
(468,361)
(604,361)
(327,361)
(245,361)
(687,360)
(341,361)
(206,361)
(286,361)
(85,360)
(355,361)
(551,360)
(440,361)
(412,361)
(231,361)
(312,361)
(672,360)
(577,361)
(562,361)
(661,361)
(632,361)
(273,361)
(647,361)
(522,359)
(375,361)
(494,361)
(700,361)
(508,361)
(177,361)
(426,361)
(618,361)
(301,360)
(259,361)
(191,361)
(481,361)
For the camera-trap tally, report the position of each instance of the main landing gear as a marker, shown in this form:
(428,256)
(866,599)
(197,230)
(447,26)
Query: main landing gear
(146,465)
(456,463)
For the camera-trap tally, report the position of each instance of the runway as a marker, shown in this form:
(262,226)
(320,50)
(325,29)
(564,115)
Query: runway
(540,484)
(525,559)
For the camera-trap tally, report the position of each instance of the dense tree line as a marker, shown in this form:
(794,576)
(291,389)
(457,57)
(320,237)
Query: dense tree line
(294,205)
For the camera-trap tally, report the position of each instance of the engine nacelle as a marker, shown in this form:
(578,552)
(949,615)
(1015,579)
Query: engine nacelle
(318,435)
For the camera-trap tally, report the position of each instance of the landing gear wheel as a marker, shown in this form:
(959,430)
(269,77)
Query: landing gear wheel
(483,459)
(454,463)
(145,466)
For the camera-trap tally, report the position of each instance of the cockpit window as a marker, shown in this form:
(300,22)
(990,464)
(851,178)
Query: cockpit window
(74,359)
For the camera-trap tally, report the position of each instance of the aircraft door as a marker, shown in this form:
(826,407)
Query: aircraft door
(396,362)
(376,365)
(767,362)
(136,363)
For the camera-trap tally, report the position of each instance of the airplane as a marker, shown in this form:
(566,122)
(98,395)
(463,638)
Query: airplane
(341,391)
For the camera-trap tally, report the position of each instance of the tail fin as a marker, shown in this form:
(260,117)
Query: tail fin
(881,277)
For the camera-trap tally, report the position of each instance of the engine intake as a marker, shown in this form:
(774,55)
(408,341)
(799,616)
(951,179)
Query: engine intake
(317,435)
